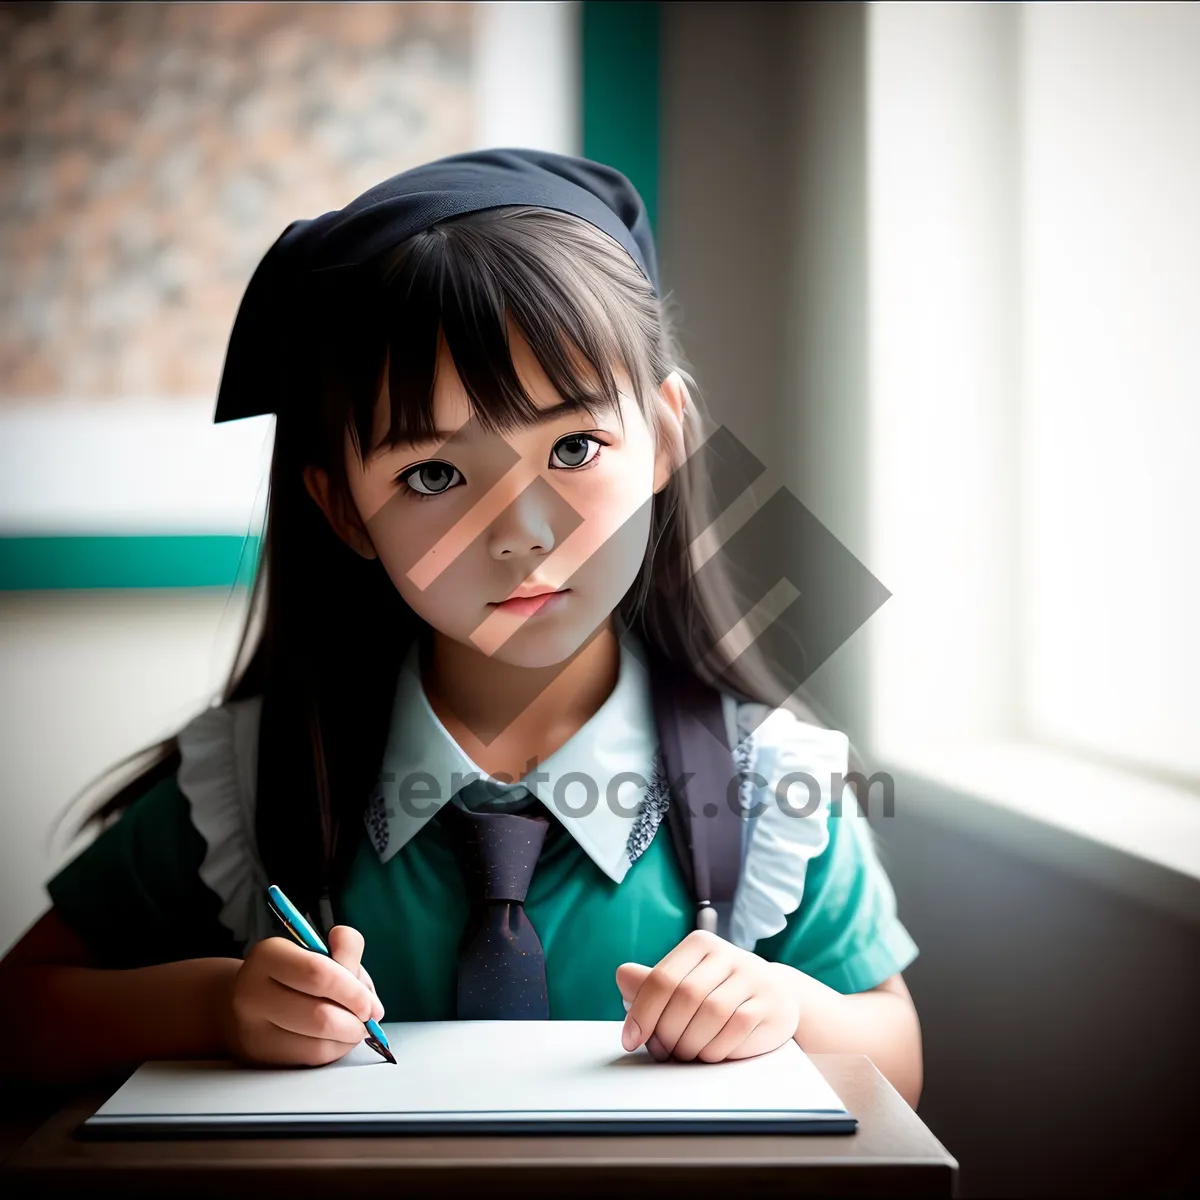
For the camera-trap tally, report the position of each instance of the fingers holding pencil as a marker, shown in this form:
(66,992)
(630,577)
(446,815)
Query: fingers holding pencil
(349,947)
(295,1001)
(290,1007)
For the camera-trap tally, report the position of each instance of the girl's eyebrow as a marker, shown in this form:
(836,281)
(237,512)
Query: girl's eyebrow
(543,416)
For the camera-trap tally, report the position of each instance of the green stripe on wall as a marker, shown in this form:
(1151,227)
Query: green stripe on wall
(45,563)
(620,91)
(620,106)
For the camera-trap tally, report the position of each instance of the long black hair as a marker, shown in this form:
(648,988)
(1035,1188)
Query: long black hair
(326,629)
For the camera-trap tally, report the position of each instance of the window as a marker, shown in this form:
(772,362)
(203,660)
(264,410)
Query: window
(1034,175)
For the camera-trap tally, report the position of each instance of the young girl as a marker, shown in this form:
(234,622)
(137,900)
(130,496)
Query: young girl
(478,402)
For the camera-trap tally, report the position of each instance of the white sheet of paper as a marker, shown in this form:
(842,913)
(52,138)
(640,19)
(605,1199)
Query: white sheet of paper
(477,1075)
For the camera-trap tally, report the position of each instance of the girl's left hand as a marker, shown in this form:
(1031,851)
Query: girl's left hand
(708,999)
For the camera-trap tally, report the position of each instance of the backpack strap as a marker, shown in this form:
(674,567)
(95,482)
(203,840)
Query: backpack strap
(705,825)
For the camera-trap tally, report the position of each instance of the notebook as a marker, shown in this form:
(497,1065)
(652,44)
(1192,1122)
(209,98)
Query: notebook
(536,1077)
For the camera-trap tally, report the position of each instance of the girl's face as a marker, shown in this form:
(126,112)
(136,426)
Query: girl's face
(463,522)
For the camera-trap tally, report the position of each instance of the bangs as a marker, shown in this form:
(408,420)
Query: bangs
(466,279)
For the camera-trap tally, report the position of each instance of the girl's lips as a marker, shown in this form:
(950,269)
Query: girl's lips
(526,606)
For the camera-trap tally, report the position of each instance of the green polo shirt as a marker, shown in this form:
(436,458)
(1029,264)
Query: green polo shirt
(607,889)
(135,896)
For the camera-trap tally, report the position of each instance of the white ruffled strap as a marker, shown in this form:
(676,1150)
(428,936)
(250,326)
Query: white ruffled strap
(780,843)
(218,775)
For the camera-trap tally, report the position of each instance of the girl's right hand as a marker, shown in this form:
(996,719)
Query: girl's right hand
(292,1007)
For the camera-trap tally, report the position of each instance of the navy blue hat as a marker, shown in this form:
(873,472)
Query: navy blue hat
(313,257)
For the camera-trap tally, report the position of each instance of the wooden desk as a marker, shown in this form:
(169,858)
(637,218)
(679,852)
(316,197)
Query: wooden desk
(892,1153)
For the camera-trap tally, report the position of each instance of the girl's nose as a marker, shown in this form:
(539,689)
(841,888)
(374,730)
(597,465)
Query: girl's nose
(523,525)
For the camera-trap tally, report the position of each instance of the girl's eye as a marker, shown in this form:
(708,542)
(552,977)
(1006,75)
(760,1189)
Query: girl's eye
(573,450)
(429,479)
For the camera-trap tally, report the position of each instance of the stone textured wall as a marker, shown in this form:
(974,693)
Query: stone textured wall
(151,153)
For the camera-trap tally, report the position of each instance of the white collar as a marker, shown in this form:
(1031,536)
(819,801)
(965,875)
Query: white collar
(620,737)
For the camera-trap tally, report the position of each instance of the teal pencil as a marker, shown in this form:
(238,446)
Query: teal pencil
(294,922)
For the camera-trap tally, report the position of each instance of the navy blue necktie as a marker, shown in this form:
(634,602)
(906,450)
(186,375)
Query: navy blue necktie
(501,965)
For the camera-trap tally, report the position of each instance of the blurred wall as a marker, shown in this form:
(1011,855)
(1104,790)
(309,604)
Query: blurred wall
(1057,998)
(151,152)
(87,677)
